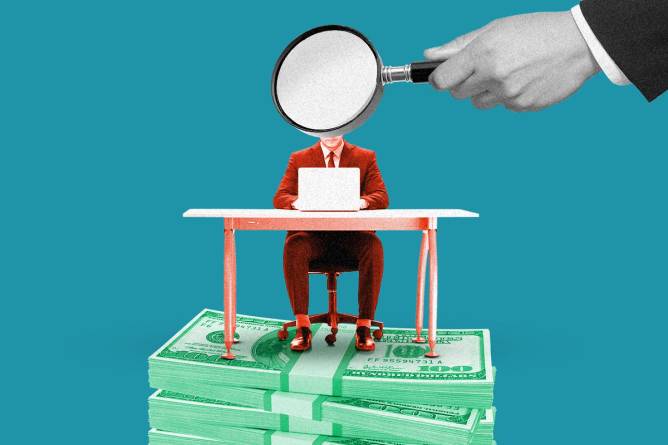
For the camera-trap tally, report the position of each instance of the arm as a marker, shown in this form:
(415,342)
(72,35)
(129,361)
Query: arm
(287,189)
(635,35)
(532,61)
(373,191)
(525,62)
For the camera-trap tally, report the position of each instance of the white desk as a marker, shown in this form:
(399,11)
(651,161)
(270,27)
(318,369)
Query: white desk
(273,219)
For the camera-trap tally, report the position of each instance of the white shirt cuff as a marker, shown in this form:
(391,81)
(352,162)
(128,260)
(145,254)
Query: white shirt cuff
(606,63)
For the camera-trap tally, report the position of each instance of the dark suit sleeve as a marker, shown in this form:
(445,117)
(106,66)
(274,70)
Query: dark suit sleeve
(287,189)
(634,33)
(374,191)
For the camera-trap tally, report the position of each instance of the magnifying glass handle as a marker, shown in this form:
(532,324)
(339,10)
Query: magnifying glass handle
(416,72)
(420,71)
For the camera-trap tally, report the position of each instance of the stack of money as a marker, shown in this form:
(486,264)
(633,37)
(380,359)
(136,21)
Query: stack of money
(270,394)
(235,436)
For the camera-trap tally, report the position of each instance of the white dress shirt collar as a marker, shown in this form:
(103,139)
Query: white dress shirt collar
(337,153)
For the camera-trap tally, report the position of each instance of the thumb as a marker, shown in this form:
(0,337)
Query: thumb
(451,48)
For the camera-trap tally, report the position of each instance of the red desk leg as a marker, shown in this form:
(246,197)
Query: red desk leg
(234,289)
(419,305)
(433,291)
(229,287)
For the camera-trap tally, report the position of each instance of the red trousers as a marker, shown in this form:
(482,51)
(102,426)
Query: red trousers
(333,247)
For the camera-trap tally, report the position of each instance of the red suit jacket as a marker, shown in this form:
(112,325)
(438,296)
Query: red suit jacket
(372,187)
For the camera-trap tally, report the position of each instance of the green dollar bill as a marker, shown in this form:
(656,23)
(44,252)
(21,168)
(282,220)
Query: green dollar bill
(209,418)
(396,371)
(403,421)
(245,436)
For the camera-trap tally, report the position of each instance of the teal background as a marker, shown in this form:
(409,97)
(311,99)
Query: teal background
(118,116)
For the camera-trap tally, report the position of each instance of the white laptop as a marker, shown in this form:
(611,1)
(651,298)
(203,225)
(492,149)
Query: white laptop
(329,189)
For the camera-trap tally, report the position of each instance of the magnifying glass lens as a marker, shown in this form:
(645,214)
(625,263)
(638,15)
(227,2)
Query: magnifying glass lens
(326,80)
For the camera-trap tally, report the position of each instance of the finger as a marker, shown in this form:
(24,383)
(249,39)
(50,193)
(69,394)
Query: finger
(451,48)
(452,72)
(521,104)
(527,100)
(486,100)
(470,87)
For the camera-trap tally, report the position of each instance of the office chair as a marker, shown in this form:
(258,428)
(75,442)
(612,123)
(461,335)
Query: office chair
(332,317)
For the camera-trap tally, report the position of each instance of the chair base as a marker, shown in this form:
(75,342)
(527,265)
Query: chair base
(333,320)
(332,317)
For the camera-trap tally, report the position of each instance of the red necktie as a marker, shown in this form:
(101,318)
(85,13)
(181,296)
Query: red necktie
(330,160)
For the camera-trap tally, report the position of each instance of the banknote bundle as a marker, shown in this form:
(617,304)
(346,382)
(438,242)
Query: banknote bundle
(259,437)
(272,395)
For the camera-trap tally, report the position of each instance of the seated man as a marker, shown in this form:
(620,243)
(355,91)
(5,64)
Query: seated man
(363,246)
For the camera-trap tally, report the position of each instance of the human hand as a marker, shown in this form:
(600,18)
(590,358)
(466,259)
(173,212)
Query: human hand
(525,62)
(295,204)
(363,204)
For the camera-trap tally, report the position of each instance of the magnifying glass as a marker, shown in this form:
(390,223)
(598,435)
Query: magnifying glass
(329,80)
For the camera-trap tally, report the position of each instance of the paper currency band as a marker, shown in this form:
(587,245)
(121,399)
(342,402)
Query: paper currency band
(333,362)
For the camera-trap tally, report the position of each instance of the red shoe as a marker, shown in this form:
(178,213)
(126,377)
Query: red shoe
(364,340)
(302,341)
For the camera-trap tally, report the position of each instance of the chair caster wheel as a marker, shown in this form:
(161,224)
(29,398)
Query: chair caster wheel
(282,335)
(330,339)
(378,334)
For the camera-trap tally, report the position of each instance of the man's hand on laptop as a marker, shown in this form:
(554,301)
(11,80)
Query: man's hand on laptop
(295,204)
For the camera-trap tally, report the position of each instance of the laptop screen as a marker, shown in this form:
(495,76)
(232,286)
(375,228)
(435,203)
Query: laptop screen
(324,189)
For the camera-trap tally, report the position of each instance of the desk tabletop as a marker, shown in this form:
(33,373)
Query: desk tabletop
(277,213)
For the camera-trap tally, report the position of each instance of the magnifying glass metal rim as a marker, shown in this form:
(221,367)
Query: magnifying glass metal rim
(352,123)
